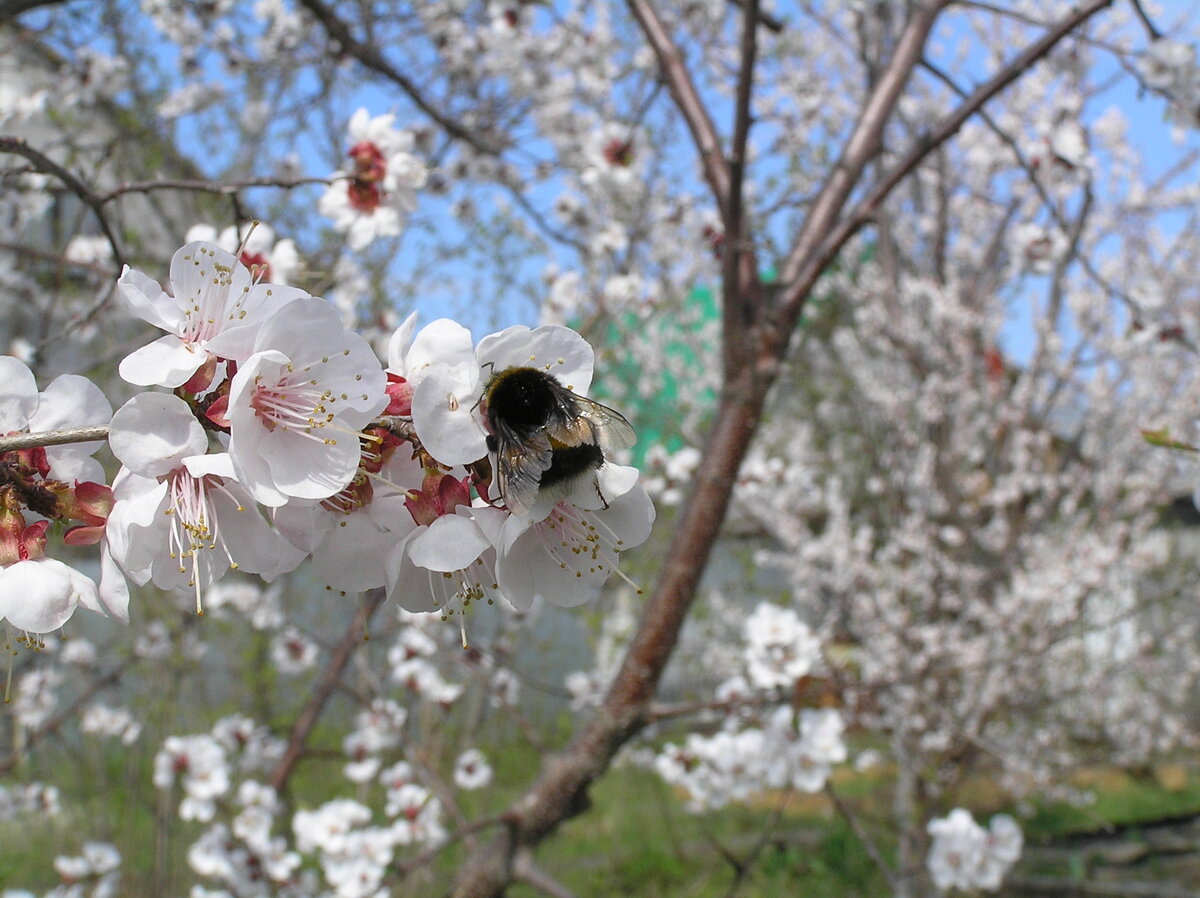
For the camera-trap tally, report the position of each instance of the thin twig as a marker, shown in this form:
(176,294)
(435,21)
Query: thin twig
(87,196)
(863,836)
(526,871)
(1154,33)
(228,188)
(687,99)
(373,59)
(351,640)
(950,126)
(20,441)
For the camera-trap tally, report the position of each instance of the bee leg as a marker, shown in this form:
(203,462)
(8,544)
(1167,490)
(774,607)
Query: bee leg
(596,482)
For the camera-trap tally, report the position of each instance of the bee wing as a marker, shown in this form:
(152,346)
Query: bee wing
(519,468)
(609,429)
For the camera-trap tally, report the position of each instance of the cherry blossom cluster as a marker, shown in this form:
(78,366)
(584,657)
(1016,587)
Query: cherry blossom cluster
(760,745)
(284,438)
(965,856)
(60,486)
(734,764)
(373,199)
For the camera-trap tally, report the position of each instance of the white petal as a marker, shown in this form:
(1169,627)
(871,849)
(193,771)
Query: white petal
(40,596)
(18,394)
(153,432)
(444,415)
(398,345)
(167,362)
(114,591)
(147,300)
(557,350)
(440,342)
(259,304)
(71,401)
(451,543)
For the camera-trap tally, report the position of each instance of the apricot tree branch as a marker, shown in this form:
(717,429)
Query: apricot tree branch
(18,441)
(354,637)
(86,195)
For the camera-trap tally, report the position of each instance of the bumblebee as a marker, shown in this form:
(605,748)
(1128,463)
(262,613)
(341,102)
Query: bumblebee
(544,436)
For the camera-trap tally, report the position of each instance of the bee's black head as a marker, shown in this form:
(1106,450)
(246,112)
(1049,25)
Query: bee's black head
(523,399)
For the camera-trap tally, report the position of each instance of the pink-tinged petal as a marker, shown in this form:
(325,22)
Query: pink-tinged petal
(146,299)
(451,543)
(557,350)
(18,394)
(40,596)
(444,415)
(167,362)
(153,432)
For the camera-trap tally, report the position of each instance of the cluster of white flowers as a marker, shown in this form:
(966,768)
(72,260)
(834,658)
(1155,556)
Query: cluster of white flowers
(1169,66)
(95,873)
(733,764)
(102,720)
(780,648)
(966,856)
(203,764)
(374,198)
(303,472)
(30,798)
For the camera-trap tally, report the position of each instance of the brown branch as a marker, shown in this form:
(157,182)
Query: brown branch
(805,263)
(813,247)
(19,441)
(370,57)
(87,196)
(741,288)
(687,99)
(354,637)
(526,871)
(227,189)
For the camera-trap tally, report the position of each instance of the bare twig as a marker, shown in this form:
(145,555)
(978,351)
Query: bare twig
(687,99)
(815,246)
(863,836)
(371,57)
(228,188)
(526,871)
(87,196)
(308,716)
(19,441)
(800,273)
(1154,33)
